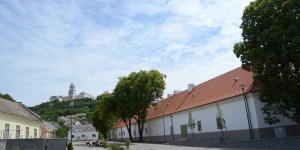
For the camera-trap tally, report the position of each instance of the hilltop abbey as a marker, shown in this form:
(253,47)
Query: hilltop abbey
(72,95)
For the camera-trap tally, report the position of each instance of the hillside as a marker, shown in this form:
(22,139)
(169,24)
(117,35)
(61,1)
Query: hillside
(50,111)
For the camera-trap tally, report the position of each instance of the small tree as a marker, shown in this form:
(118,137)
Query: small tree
(221,123)
(127,144)
(191,124)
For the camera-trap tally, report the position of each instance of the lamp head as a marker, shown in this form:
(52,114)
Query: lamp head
(242,86)
(71,103)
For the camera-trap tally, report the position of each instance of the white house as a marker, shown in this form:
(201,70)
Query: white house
(83,132)
(168,120)
(17,121)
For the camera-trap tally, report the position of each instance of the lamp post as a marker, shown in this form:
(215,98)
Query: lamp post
(71,105)
(247,112)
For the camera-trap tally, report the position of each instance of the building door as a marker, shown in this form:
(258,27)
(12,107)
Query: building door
(183,131)
(280,132)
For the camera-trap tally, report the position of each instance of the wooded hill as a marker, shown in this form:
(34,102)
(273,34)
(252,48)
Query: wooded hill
(50,111)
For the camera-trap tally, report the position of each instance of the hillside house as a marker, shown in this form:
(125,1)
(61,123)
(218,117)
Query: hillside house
(83,133)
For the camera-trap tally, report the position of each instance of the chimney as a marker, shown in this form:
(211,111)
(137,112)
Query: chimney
(177,91)
(169,95)
(191,87)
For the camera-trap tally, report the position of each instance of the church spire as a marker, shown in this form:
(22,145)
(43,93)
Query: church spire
(72,92)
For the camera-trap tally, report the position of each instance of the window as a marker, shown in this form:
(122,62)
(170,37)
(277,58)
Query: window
(119,134)
(171,130)
(6,132)
(134,132)
(82,135)
(123,133)
(35,133)
(146,131)
(199,125)
(17,132)
(94,135)
(27,132)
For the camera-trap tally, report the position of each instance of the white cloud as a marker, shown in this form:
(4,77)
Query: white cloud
(47,45)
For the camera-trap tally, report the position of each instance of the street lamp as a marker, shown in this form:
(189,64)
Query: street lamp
(163,111)
(71,105)
(247,111)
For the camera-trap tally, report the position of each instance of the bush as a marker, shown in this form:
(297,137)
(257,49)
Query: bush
(14,148)
(127,144)
(116,147)
(70,146)
(105,145)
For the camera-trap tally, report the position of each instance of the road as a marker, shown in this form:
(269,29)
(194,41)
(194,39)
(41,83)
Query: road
(145,146)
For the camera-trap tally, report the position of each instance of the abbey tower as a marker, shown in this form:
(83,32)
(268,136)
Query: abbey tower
(72,95)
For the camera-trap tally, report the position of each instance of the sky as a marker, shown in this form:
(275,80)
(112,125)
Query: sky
(47,45)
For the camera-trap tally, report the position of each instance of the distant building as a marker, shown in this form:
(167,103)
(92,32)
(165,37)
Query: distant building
(83,132)
(48,130)
(72,95)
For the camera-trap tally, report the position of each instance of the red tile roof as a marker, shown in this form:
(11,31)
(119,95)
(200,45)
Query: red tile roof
(219,88)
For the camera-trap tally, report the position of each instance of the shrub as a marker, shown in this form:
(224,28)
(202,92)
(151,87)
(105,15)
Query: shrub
(14,148)
(105,145)
(127,144)
(70,146)
(116,147)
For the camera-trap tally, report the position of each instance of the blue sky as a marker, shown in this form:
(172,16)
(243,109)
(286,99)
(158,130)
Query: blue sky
(46,45)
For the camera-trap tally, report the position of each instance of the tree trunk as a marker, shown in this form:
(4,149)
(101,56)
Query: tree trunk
(128,126)
(141,129)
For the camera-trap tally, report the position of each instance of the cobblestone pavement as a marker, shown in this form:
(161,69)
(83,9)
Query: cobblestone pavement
(144,146)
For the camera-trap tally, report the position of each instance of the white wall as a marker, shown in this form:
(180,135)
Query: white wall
(260,121)
(233,110)
(13,121)
(88,135)
(234,113)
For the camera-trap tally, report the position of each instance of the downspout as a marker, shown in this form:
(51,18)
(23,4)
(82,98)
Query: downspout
(150,132)
(247,112)
(172,127)
(135,132)
(249,117)
(121,134)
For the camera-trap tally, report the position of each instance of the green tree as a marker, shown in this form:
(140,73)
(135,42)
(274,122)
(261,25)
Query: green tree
(220,120)
(123,100)
(7,97)
(135,93)
(191,124)
(104,114)
(271,50)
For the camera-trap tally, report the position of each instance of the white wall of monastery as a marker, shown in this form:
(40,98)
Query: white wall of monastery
(234,113)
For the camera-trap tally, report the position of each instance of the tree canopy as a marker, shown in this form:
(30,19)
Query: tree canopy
(104,114)
(271,50)
(135,93)
(7,97)
(50,111)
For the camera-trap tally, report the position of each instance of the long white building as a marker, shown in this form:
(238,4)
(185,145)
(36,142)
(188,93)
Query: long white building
(168,120)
